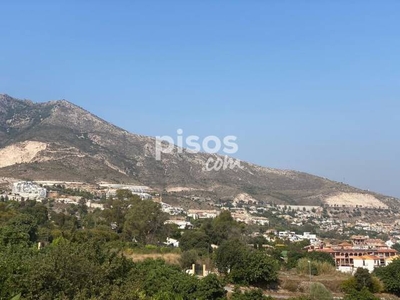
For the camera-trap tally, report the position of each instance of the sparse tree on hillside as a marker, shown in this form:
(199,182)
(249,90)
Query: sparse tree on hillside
(144,221)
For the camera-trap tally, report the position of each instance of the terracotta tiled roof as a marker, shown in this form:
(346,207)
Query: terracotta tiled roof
(345,244)
(393,257)
(367,257)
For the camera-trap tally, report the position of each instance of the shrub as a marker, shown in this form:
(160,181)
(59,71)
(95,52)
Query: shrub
(390,276)
(377,285)
(364,294)
(317,267)
(249,295)
(349,285)
(290,285)
(319,292)
(188,258)
(150,247)
(321,257)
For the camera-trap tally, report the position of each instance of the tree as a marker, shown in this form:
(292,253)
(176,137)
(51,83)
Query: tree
(259,269)
(210,288)
(321,257)
(20,229)
(258,242)
(116,210)
(222,228)
(245,265)
(195,239)
(143,222)
(293,258)
(230,254)
(363,279)
(390,276)
(38,211)
(14,264)
(155,276)
(188,258)
(124,194)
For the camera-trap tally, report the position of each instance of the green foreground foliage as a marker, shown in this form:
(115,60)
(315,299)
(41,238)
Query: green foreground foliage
(66,270)
(82,253)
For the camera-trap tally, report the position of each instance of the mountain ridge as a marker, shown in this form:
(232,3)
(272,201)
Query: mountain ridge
(74,144)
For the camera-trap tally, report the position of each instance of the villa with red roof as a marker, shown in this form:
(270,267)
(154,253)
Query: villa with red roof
(362,252)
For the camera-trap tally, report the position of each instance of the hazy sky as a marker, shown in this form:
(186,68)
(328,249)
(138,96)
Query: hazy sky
(306,85)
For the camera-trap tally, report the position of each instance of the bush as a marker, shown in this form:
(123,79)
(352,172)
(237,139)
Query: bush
(363,279)
(188,258)
(150,247)
(390,276)
(317,267)
(249,295)
(334,285)
(349,285)
(360,282)
(321,257)
(377,285)
(210,288)
(290,285)
(319,292)
(364,294)
(244,265)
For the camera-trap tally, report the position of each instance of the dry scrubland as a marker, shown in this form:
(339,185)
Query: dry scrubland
(20,153)
(140,255)
(355,199)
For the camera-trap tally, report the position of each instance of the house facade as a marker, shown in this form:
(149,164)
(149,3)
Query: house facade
(361,252)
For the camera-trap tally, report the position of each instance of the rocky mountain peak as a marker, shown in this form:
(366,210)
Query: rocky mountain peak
(59,140)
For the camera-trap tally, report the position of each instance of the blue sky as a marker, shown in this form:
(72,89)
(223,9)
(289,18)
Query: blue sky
(306,85)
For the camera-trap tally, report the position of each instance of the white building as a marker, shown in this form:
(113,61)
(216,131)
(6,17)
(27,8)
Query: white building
(180,223)
(29,190)
(293,237)
(260,221)
(368,262)
(66,201)
(390,243)
(172,242)
(94,205)
(141,191)
(202,214)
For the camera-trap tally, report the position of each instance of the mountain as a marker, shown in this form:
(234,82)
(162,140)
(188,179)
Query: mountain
(58,140)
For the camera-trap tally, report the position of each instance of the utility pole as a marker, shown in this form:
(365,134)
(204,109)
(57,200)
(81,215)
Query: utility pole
(309,268)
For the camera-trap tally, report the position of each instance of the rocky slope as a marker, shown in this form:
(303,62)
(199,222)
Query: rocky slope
(58,140)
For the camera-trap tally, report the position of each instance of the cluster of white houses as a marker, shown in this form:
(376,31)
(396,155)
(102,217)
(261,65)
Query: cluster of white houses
(293,237)
(28,190)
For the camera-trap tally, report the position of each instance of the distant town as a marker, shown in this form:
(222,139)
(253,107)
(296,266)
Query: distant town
(363,239)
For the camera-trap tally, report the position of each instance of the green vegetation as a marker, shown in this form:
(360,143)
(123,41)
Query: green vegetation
(244,265)
(72,192)
(256,294)
(364,294)
(390,276)
(361,286)
(305,266)
(105,254)
(87,255)
(319,292)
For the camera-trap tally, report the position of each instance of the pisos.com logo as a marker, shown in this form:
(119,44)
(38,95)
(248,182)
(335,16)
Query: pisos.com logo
(194,144)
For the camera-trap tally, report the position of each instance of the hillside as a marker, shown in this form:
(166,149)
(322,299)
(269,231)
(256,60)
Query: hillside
(58,140)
